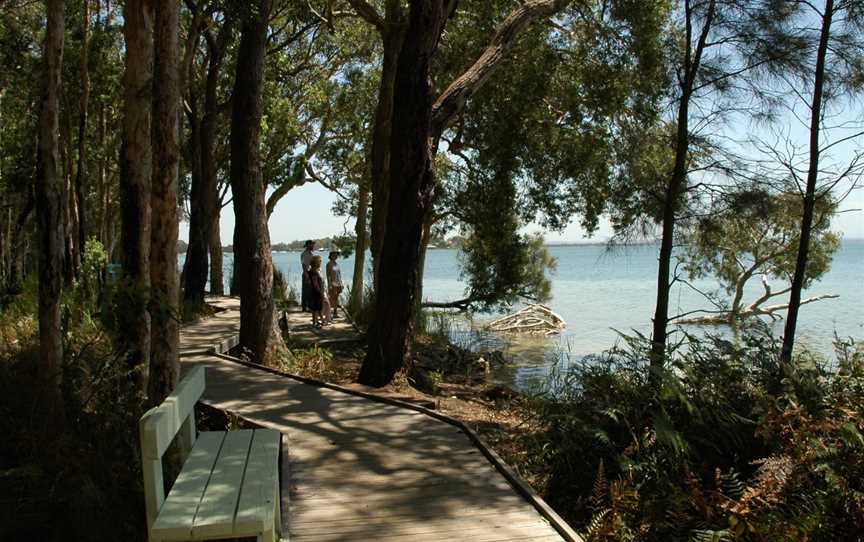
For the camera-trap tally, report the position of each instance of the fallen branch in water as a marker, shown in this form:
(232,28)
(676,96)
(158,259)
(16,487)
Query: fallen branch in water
(534,318)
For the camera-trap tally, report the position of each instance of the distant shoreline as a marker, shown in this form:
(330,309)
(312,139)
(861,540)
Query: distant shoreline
(230,249)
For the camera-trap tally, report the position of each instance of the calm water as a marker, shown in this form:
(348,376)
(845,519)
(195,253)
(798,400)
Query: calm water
(598,292)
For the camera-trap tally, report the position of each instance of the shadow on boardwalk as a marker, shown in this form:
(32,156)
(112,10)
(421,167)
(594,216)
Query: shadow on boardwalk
(361,470)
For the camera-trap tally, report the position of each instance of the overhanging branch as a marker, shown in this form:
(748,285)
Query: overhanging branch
(453,100)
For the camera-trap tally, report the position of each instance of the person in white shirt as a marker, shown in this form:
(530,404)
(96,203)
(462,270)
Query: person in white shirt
(305,263)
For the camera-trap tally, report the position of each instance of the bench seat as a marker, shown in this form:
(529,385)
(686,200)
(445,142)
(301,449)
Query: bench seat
(228,488)
(229,484)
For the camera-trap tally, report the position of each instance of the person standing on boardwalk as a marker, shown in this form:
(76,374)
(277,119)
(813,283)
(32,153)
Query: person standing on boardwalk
(316,291)
(334,281)
(305,263)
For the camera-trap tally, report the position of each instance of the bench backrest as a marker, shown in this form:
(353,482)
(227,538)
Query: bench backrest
(157,430)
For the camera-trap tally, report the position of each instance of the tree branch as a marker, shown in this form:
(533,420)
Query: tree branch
(369,14)
(453,100)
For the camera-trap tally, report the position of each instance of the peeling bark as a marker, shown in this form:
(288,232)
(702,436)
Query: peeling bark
(217,279)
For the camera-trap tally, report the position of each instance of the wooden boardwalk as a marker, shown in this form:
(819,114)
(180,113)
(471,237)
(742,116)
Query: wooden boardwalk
(362,470)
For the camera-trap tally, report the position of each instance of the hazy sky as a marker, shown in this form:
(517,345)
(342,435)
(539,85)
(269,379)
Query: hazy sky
(305,213)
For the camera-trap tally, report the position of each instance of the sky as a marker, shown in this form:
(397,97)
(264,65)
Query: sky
(305,213)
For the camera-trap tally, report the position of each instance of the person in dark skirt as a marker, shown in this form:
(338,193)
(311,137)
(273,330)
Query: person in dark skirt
(305,261)
(315,302)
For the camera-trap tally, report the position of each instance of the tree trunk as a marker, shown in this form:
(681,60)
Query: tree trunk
(101,179)
(676,186)
(195,265)
(810,192)
(136,165)
(81,172)
(217,279)
(209,169)
(49,193)
(70,237)
(421,262)
(252,258)
(392,38)
(165,330)
(411,178)
(16,257)
(360,248)
(411,190)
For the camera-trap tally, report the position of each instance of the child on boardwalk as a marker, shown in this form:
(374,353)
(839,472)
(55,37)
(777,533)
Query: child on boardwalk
(334,280)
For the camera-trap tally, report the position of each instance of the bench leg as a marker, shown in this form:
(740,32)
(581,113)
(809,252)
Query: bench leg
(278,511)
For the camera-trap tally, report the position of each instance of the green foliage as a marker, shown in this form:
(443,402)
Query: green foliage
(345,243)
(502,269)
(499,264)
(310,362)
(731,448)
(59,486)
(752,230)
(362,314)
(280,288)
(93,263)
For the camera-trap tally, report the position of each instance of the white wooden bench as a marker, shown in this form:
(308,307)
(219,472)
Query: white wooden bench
(229,484)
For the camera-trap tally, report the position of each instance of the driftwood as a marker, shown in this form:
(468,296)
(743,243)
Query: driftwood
(730,317)
(534,318)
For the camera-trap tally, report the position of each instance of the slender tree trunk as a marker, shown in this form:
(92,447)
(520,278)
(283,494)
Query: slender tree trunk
(103,185)
(16,243)
(50,411)
(205,195)
(81,173)
(411,191)
(165,330)
(70,238)
(421,262)
(392,39)
(136,165)
(5,240)
(195,266)
(252,258)
(217,278)
(676,186)
(360,248)
(810,192)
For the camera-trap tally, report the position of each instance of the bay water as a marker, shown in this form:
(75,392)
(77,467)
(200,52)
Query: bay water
(600,292)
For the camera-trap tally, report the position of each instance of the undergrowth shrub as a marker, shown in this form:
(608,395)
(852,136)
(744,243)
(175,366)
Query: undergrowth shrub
(730,447)
(363,313)
(280,288)
(85,483)
(311,362)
